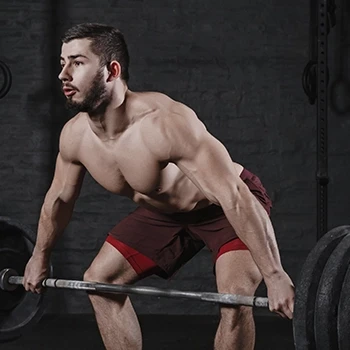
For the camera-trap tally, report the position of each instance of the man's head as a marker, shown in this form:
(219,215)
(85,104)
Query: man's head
(92,56)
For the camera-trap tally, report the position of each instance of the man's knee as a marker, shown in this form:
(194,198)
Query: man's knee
(99,275)
(98,299)
(237,273)
(239,315)
(246,285)
(236,316)
(91,276)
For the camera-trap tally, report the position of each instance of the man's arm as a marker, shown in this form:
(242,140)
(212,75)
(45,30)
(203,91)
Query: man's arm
(207,163)
(184,140)
(56,210)
(58,205)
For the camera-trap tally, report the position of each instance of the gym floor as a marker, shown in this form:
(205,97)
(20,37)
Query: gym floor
(159,333)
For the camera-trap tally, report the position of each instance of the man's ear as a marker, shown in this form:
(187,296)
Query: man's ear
(114,70)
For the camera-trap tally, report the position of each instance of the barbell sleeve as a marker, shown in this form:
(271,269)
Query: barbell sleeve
(220,298)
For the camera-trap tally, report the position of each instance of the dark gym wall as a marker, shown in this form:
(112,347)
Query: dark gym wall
(238,64)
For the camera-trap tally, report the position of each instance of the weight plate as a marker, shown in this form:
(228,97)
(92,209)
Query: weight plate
(328,294)
(23,310)
(343,321)
(307,285)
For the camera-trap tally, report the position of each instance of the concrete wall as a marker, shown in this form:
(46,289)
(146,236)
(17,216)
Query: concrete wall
(238,64)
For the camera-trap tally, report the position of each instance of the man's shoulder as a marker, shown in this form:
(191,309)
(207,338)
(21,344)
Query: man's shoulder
(153,96)
(75,125)
(162,108)
(158,101)
(72,135)
(170,124)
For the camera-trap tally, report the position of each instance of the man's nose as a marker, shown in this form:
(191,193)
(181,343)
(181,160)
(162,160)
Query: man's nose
(64,74)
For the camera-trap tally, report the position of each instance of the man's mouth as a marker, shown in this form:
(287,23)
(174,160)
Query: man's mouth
(69,92)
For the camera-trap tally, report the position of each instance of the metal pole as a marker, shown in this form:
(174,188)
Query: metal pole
(322,135)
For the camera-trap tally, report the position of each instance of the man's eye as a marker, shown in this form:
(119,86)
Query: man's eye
(77,63)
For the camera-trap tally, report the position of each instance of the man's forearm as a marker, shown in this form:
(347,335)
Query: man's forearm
(54,217)
(253,226)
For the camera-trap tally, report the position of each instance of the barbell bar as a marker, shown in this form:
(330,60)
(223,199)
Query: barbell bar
(9,281)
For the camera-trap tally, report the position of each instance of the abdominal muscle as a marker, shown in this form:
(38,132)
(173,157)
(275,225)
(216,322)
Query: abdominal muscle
(176,193)
(172,201)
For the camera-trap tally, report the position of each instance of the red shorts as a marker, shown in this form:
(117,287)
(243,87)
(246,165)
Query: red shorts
(144,266)
(157,243)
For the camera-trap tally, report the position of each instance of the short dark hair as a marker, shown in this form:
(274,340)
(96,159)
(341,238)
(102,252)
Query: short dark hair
(107,42)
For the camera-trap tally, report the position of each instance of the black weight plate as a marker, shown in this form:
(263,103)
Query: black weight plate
(328,294)
(29,310)
(307,285)
(14,253)
(343,321)
(6,78)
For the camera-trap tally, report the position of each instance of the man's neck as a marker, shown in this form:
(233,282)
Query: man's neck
(110,123)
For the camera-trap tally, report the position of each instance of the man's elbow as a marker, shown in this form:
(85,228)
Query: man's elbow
(235,197)
(64,195)
(69,195)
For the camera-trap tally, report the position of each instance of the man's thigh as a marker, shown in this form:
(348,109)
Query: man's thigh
(142,265)
(110,266)
(237,273)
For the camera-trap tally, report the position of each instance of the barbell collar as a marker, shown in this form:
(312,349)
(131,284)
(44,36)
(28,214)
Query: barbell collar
(5,280)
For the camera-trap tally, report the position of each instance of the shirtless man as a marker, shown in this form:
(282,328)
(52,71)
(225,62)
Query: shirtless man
(154,150)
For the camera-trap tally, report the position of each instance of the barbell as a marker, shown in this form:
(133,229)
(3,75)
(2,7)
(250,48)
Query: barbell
(321,316)
(9,280)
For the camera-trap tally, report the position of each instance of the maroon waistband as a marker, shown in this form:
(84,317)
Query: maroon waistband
(246,174)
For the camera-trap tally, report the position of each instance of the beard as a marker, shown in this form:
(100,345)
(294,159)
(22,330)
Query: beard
(96,99)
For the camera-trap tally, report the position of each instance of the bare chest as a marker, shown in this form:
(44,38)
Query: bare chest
(123,172)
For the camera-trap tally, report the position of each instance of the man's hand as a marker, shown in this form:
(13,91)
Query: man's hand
(37,269)
(281,292)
